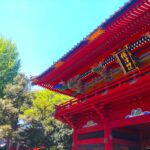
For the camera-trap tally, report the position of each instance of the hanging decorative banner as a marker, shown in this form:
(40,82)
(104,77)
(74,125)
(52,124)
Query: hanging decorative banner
(90,124)
(137,112)
(124,58)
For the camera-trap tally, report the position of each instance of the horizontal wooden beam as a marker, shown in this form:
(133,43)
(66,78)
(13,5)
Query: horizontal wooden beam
(91,141)
(130,122)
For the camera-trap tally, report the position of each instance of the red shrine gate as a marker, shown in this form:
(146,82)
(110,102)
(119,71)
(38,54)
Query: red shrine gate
(108,74)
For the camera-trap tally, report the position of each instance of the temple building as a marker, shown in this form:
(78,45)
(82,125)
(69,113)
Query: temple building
(108,76)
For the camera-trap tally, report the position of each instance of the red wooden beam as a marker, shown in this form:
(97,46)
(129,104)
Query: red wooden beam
(91,141)
(141,86)
(130,121)
(122,27)
(124,142)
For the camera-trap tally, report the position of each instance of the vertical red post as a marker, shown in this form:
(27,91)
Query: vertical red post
(107,136)
(141,140)
(74,140)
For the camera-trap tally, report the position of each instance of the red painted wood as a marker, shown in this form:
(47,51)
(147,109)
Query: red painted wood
(90,129)
(91,141)
(74,137)
(120,92)
(125,28)
(107,136)
(124,142)
(130,121)
(108,106)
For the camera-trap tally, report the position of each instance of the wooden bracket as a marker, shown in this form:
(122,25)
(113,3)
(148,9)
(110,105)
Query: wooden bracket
(99,112)
(68,121)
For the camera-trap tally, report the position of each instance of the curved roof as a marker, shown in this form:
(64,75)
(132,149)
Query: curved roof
(103,41)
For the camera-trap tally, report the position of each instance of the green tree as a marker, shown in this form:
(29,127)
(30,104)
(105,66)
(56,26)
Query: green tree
(62,136)
(39,117)
(15,95)
(7,111)
(9,63)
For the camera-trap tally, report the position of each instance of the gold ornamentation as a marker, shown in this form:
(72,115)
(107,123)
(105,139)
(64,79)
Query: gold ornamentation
(124,58)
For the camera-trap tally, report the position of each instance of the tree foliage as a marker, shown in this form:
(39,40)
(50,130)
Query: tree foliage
(41,123)
(15,94)
(27,117)
(7,111)
(9,63)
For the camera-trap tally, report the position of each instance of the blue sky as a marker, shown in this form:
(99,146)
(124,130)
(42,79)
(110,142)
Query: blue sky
(44,30)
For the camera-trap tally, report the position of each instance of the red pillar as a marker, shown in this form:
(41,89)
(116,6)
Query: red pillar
(141,140)
(74,140)
(107,136)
